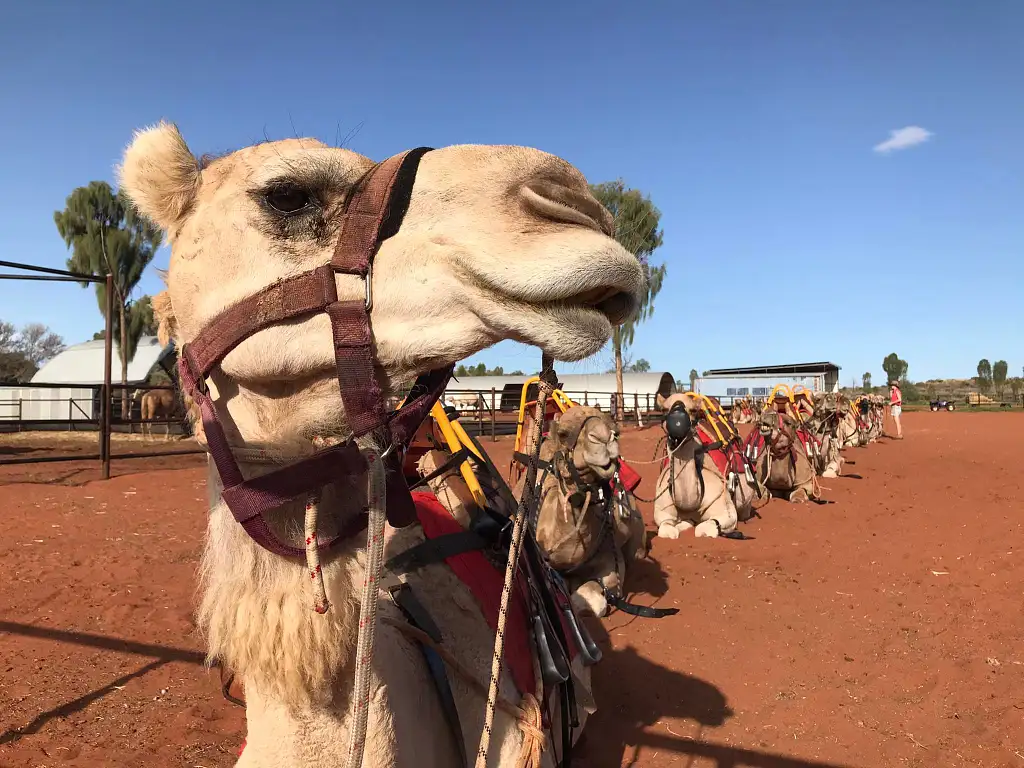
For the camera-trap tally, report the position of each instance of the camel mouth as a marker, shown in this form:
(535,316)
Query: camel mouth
(615,304)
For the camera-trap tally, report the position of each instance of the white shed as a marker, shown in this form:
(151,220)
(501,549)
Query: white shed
(75,376)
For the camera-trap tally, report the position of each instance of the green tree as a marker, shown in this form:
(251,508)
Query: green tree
(999,377)
(984,377)
(23,352)
(106,235)
(1015,387)
(866,381)
(693,379)
(640,366)
(481,369)
(636,230)
(895,368)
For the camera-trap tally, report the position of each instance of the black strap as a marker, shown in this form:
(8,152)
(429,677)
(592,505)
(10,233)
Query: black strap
(417,615)
(522,458)
(414,611)
(715,446)
(227,677)
(643,611)
(456,458)
(435,551)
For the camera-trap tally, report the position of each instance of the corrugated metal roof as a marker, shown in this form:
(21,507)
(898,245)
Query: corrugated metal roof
(769,369)
(632,383)
(83,363)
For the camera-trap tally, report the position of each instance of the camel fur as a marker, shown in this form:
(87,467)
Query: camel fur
(497,243)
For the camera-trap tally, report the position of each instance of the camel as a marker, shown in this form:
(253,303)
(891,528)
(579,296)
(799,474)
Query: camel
(492,243)
(468,402)
(869,413)
(709,496)
(589,531)
(778,448)
(829,428)
(743,411)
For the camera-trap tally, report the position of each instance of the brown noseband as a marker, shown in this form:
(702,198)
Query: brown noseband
(373,213)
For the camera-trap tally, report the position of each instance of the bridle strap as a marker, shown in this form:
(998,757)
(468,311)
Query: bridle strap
(373,213)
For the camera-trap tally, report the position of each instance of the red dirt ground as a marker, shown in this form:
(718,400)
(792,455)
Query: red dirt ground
(880,630)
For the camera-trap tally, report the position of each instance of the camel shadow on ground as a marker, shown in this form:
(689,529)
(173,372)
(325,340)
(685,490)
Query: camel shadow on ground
(160,655)
(635,695)
(646,577)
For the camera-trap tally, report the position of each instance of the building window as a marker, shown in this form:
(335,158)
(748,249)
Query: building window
(760,392)
(743,391)
(730,392)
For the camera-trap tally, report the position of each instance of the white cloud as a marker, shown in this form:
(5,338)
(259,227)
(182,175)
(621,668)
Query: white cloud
(903,138)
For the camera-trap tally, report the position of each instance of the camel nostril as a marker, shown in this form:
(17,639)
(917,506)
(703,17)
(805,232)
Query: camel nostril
(564,204)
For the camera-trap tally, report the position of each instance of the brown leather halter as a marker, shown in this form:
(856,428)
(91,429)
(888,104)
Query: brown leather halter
(372,213)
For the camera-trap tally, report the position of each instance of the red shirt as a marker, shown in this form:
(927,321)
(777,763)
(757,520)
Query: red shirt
(897,396)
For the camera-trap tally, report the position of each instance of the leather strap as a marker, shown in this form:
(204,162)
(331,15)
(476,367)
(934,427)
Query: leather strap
(436,550)
(417,615)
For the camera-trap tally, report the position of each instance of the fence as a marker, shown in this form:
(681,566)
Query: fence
(92,411)
(495,412)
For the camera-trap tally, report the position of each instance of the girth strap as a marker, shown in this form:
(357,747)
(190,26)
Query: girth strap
(436,550)
(418,616)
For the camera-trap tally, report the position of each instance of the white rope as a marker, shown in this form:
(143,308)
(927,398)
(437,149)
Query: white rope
(376,501)
(518,529)
(320,601)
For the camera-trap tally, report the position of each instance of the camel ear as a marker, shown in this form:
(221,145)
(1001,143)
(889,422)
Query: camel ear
(167,326)
(160,175)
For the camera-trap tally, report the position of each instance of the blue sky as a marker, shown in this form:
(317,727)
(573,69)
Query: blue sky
(752,125)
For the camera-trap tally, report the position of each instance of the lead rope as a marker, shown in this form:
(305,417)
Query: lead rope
(533,737)
(320,602)
(376,501)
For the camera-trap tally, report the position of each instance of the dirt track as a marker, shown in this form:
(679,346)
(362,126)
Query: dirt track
(880,630)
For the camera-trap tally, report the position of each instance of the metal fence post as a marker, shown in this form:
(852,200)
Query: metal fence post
(108,347)
(494,435)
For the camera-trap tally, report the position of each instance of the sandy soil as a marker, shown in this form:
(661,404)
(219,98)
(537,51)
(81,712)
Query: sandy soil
(879,630)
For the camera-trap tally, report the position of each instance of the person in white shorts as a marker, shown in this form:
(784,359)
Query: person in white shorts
(896,406)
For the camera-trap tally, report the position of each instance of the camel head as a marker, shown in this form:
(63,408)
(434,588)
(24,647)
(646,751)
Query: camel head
(499,242)
(588,438)
(685,410)
(772,422)
(826,403)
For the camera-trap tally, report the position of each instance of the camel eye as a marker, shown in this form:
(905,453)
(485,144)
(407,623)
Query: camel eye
(289,199)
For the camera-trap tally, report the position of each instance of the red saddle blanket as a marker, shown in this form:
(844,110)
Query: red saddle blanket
(486,583)
(726,459)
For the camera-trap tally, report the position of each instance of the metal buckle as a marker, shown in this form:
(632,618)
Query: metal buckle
(201,386)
